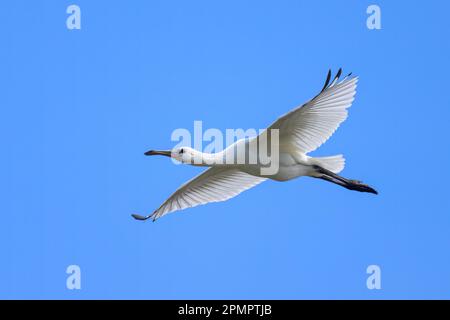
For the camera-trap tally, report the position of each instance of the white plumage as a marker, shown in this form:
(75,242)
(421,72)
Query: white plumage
(213,185)
(301,131)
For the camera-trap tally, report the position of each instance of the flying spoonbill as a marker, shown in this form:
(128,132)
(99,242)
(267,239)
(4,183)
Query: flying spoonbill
(300,131)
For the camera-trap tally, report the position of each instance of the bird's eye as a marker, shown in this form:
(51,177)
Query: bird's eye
(181,151)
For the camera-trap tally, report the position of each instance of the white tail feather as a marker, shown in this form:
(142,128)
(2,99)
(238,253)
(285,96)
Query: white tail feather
(334,163)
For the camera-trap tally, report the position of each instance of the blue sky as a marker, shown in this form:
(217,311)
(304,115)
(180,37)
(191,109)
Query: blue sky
(79,108)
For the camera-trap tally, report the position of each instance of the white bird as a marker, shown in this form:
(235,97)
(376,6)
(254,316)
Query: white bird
(301,131)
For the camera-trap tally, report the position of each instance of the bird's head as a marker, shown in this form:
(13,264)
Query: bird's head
(181,154)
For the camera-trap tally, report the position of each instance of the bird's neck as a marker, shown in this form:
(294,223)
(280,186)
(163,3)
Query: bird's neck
(204,159)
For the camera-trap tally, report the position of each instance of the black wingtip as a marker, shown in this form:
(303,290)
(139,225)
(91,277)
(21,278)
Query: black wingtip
(139,217)
(327,82)
(337,76)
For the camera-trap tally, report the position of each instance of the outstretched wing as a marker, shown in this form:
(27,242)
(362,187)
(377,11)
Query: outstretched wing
(213,185)
(307,127)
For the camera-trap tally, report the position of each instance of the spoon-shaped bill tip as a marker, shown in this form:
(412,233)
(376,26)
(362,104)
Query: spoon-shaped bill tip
(166,153)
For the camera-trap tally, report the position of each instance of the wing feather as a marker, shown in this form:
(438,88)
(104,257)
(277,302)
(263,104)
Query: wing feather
(213,185)
(307,127)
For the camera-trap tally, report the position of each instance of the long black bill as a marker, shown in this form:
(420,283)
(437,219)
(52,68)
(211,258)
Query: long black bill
(166,153)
